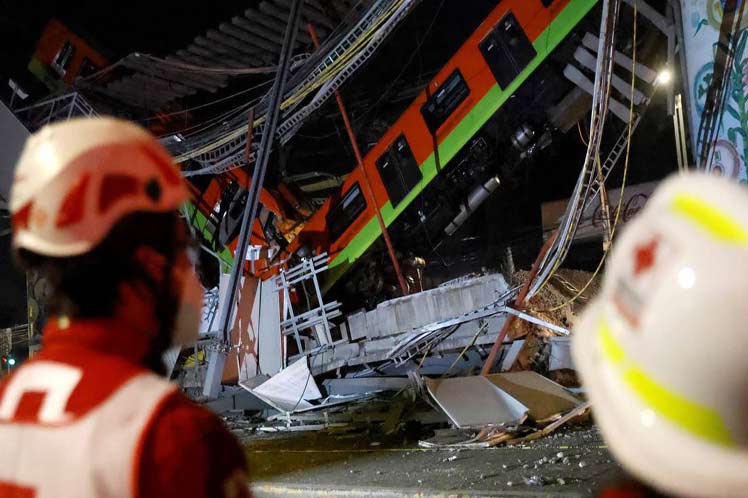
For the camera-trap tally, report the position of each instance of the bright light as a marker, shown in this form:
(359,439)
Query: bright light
(686,278)
(12,361)
(647,418)
(664,77)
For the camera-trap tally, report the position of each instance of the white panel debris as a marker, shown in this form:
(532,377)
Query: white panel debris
(560,354)
(290,389)
(475,401)
(269,351)
(511,355)
(540,395)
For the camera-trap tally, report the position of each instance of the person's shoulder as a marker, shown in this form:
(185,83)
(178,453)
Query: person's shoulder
(179,414)
(186,439)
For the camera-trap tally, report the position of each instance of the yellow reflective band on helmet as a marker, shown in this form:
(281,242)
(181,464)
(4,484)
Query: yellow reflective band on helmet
(690,416)
(718,224)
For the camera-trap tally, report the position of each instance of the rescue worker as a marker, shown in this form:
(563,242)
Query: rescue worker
(93,209)
(661,350)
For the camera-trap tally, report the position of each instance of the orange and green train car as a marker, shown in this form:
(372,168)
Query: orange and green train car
(500,55)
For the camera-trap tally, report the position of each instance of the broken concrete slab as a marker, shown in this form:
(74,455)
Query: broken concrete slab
(237,400)
(417,310)
(341,387)
(475,401)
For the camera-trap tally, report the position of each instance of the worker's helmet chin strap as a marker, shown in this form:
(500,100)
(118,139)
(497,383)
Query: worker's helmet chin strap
(165,308)
(178,311)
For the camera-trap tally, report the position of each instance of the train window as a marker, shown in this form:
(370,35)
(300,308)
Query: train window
(437,109)
(507,50)
(231,212)
(345,212)
(398,169)
(63,58)
(88,68)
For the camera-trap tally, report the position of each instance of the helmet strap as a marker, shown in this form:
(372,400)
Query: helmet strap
(165,307)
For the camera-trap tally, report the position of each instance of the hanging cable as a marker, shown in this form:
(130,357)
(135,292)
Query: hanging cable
(304,89)
(623,182)
(209,103)
(603,74)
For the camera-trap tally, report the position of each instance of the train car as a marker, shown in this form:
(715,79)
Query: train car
(61,56)
(434,137)
(500,55)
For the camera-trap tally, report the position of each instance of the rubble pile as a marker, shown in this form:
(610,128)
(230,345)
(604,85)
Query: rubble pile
(563,286)
(413,359)
(558,302)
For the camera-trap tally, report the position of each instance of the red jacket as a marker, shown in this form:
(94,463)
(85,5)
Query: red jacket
(85,418)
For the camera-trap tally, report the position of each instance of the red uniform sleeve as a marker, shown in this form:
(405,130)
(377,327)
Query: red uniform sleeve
(187,452)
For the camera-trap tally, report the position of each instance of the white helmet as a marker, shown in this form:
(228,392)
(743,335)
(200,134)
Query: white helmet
(662,349)
(76,179)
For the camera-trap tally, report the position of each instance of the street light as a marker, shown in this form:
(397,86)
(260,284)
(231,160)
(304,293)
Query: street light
(664,77)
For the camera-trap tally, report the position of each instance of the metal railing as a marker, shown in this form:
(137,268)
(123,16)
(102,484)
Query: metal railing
(54,109)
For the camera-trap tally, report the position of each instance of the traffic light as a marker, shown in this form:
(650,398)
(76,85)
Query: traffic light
(8,361)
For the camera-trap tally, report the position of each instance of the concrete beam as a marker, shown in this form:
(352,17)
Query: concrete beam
(154,83)
(240,401)
(591,42)
(224,50)
(212,59)
(191,57)
(271,24)
(226,40)
(660,21)
(578,78)
(340,7)
(137,89)
(584,57)
(342,387)
(209,78)
(137,99)
(186,77)
(281,14)
(255,28)
(171,77)
(310,14)
(236,30)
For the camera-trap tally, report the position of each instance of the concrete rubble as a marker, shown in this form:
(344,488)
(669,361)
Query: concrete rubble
(414,359)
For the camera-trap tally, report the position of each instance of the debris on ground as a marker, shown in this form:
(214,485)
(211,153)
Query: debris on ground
(418,378)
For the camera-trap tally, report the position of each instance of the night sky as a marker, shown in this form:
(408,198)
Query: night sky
(116,28)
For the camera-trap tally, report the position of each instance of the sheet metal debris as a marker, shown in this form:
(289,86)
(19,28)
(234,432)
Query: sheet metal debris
(543,397)
(380,355)
(475,401)
(290,389)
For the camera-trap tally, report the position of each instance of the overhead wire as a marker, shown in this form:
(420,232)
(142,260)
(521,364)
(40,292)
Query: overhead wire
(286,103)
(209,103)
(208,123)
(186,67)
(405,66)
(581,135)
(302,90)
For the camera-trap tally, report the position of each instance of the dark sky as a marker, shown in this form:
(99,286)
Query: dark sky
(157,27)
